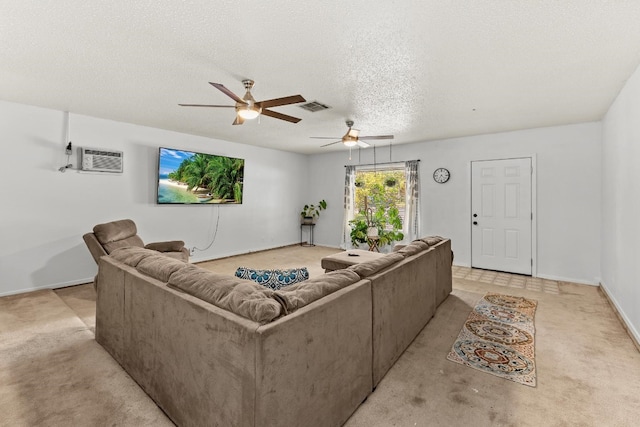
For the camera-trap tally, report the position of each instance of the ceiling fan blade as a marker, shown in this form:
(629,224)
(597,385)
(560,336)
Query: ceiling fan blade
(353,132)
(331,143)
(276,102)
(227,92)
(377,137)
(324,137)
(363,144)
(206,105)
(238,121)
(280,116)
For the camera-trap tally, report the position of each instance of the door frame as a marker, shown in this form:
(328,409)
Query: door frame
(534,207)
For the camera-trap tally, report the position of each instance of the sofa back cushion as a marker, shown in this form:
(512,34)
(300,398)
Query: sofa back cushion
(297,296)
(242,297)
(160,267)
(132,255)
(432,240)
(124,243)
(115,230)
(371,267)
(413,248)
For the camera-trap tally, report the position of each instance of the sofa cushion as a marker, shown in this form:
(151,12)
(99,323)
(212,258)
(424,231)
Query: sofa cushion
(432,240)
(116,230)
(368,268)
(159,266)
(297,296)
(413,248)
(170,246)
(242,297)
(124,243)
(274,279)
(132,255)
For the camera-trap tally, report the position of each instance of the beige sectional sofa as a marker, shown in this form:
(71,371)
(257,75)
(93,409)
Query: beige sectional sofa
(211,349)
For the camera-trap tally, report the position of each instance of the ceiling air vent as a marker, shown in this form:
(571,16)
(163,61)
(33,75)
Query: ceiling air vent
(314,106)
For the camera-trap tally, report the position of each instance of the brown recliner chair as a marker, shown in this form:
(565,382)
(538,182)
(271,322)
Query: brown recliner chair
(123,233)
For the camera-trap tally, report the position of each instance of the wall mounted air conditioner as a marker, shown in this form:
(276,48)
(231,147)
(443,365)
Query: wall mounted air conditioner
(100,160)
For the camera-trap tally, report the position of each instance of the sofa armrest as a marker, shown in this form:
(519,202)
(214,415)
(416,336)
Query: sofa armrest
(169,246)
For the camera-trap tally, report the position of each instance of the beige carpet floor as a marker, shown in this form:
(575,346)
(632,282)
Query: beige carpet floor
(53,373)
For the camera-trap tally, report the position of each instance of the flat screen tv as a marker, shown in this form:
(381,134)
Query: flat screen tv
(190,178)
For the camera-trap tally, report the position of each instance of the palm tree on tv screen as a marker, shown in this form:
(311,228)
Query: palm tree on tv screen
(195,172)
(225,177)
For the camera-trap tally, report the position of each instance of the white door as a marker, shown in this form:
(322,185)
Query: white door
(501,215)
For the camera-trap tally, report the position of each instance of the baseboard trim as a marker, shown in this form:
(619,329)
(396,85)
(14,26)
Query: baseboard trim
(49,286)
(567,279)
(626,324)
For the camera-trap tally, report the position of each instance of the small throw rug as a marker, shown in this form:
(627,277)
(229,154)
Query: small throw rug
(498,338)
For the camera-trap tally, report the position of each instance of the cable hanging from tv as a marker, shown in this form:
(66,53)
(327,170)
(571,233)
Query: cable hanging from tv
(213,239)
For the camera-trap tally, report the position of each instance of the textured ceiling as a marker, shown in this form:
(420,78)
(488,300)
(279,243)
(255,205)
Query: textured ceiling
(420,70)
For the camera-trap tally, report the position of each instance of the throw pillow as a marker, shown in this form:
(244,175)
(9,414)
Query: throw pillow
(274,279)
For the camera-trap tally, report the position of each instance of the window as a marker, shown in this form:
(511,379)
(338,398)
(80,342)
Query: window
(383,197)
(380,190)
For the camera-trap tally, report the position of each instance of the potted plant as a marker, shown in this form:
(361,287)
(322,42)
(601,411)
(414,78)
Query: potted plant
(310,213)
(359,229)
(385,222)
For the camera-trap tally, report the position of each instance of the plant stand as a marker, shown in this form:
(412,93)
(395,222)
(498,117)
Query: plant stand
(310,243)
(373,244)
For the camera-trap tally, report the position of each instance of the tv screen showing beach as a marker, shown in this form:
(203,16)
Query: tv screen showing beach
(186,177)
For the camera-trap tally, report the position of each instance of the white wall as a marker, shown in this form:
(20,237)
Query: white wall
(45,213)
(568,192)
(621,203)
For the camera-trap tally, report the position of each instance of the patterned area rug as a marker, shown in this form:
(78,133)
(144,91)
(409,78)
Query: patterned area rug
(498,338)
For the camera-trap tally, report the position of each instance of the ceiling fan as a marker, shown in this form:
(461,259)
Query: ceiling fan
(351,138)
(248,108)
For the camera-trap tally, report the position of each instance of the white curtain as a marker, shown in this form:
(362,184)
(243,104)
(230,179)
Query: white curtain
(411,227)
(349,200)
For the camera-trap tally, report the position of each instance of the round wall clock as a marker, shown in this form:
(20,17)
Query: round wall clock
(441,175)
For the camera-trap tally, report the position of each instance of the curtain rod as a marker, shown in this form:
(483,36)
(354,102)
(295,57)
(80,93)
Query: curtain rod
(384,163)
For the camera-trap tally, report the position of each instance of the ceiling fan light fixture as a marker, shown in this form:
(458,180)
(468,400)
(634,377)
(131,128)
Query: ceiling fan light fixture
(350,142)
(247,108)
(249,112)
